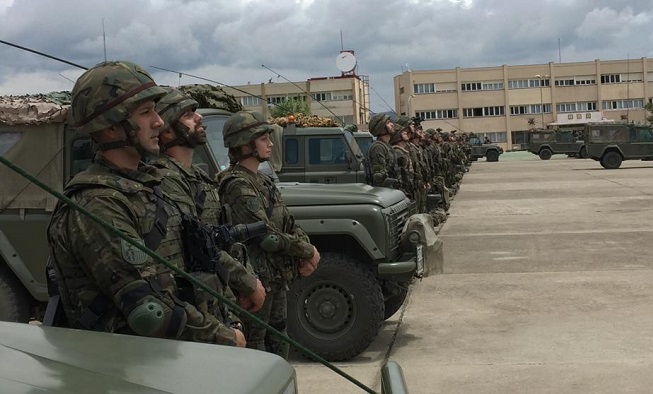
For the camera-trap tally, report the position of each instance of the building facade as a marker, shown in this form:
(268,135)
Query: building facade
(345,98)
(506,102)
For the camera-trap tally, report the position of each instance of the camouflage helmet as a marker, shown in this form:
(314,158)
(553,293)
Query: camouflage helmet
(405,121)
(429,132)
(351,127)
(377,124)
(173,105)
(105,94)
(244,127)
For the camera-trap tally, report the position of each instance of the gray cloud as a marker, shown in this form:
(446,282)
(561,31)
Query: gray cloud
(228,41)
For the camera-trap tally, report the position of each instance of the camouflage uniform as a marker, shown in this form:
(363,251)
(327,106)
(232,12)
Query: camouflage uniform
(405,164)
(249,197)
(105,283)
(192,189)
(381,156)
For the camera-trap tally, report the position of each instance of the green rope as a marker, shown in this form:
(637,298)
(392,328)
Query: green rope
(180,272)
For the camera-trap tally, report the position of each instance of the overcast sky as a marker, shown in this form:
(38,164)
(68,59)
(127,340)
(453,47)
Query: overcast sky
(228,41)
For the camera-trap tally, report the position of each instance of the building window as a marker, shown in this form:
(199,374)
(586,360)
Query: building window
(470,86)
(438,114)
(281,99)
(584,81)
(611,78)
(483,111)
(576,107)
(401,90)
(324,96)
(565,82)
(528,83)
(529,109)
(250,101)
(623,104)
(420,88)
(492,86)
(494,136)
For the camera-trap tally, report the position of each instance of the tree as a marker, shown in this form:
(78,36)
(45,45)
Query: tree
(649,112)
(290,106)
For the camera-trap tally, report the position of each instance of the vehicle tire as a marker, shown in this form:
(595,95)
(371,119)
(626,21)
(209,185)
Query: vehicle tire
(14,299)
(492,155)
(338,310)
(611,160)
(545,154)
(583,153)
(395,294)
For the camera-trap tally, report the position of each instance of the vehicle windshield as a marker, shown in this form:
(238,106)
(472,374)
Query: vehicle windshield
(354,145)
(213,126)
(364,144)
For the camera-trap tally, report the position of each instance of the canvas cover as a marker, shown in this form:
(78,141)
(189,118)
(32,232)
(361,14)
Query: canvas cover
(31,136)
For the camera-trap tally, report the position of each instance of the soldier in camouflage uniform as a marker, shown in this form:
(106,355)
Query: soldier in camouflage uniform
(105,283)
(284,253)
(404,161)
(417,160)
(381,156)
(193,190)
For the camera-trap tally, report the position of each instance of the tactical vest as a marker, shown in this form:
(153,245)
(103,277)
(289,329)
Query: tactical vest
(389,154)
(154,218)
(270,267)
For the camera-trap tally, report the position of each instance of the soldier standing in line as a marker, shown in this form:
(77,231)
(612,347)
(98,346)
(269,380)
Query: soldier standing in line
(193,190)
(381,156)
(419,183)
(105,283)
(404,162)
(248,195)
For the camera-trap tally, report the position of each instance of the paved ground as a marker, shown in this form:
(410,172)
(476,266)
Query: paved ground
(548,288)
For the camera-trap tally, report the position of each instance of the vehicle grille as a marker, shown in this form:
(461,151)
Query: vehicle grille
(396,216)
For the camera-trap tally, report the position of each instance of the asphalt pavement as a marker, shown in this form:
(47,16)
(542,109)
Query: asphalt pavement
(547,288)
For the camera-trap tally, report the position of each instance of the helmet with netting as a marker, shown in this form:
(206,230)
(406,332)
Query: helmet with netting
(105,94)
(244,127)
(377,124)
(173,105)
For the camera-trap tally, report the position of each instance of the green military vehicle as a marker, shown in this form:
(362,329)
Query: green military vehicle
(491,152)
(367,253)
(548,142)
(36,359)
(364,139)
(611,144)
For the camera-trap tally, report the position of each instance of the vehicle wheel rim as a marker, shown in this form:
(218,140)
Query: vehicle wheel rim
(328,309)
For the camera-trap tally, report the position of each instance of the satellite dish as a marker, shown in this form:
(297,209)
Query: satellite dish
(346,61)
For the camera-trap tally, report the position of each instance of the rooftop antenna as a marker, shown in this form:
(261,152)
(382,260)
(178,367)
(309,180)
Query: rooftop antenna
(104,40)
(559,53)
(342,46)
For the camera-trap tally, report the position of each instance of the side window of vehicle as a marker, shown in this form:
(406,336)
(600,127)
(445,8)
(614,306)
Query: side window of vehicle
(326,151)
(291,151)
(81,155)
(8,139)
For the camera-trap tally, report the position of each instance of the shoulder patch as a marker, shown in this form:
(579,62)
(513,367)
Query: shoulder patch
(253,205)
(132,254)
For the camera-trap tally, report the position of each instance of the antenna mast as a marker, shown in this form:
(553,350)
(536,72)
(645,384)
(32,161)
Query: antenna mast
(104,40)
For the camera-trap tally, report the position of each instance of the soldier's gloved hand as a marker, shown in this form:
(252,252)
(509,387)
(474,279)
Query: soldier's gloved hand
(307,266)
(253,302)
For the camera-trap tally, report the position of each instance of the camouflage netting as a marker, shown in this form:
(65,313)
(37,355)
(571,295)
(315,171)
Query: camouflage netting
(34,109)
(302,120)
(209,96)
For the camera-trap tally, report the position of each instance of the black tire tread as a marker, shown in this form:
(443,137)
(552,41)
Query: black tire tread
(335,267)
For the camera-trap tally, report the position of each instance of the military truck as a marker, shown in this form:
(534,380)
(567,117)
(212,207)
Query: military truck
(491,152)
(548,142)
(364,139)
(359,230)
(611,144)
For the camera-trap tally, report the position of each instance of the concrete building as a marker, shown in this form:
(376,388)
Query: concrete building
(345,97)
(505,102)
